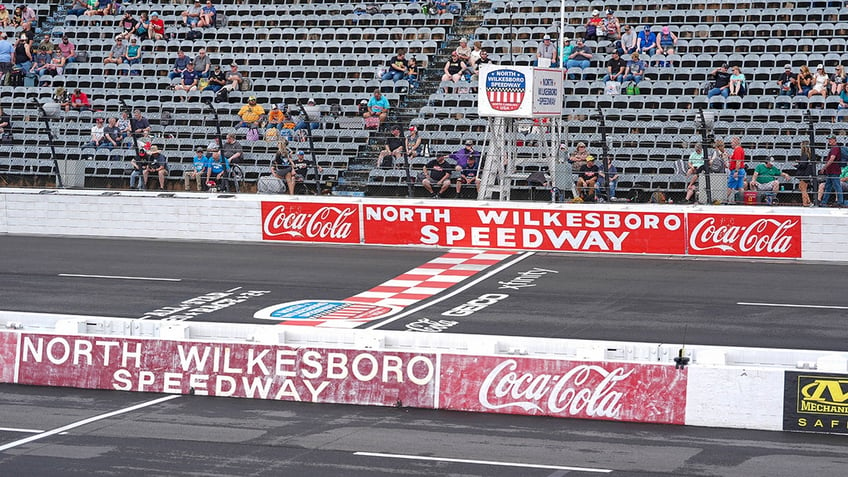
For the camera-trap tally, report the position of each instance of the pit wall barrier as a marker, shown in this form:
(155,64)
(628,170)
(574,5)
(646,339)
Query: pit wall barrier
(618,381)
(727,231)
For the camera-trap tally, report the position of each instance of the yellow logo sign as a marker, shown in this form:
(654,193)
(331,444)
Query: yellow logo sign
(823,395)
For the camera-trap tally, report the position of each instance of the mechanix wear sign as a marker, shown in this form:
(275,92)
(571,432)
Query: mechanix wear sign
(815,403)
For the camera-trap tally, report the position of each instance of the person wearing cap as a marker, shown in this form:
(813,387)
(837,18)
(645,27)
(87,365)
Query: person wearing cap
(116,54)
(721,83)
(437,172)
(208,15)
(251,114)
(470,174)
(41,62)
(46,44)
(766,178)
(199,163)
(301,165)
(462,155)
(616,68)
(276,116)
(586,179)
(396,67)
(133,55)
(832,170)
(413,143)
(67,49)
(612,27)
(566,48)
(216,166)
(97,138)
(463,51)
(217,79)
(593,26)
(189,81)
(23,56)
(646,42)
(312,111)
(191,15)
(737,82)
(788,83)
(666,43)
(62,98)
(628,43)
(578,157)
(821,82)
(4,16)
(7,51)
(157,27)
(79,101)
(232,149)
(546,51)
(234,78)
(580,57)
(377,106)
(601,184)
(453,70)
(392,150)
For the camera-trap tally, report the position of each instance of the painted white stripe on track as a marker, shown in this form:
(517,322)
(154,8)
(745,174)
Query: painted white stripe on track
(74,425)
(790,305)
(116,277)
(485,462)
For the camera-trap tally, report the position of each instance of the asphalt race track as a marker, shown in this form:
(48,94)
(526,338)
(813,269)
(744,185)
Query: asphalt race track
(50,431)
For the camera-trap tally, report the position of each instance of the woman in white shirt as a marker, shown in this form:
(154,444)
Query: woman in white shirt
(820,81)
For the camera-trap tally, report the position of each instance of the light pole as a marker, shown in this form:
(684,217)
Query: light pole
(510,9)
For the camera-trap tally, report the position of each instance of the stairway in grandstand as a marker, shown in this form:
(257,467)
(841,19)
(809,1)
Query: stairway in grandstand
(329,50)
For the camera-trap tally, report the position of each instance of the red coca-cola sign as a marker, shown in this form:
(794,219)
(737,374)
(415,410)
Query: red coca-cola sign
(588,390)
(310,222)
(744,235)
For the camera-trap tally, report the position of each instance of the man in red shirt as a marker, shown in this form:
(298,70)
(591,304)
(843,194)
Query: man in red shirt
(736,170)
(832,168)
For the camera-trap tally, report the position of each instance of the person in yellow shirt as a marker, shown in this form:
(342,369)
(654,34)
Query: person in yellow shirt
(251,114)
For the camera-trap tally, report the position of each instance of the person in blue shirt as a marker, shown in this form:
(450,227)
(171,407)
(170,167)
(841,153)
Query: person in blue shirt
(216,167)
(378,106)
(199,164)
(635,70)
(646,42)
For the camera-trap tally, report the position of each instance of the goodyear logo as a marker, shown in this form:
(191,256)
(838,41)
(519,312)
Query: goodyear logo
(823,395)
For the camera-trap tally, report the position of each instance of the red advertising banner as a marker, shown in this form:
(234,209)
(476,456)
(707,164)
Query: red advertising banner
(533,229)
(310,222)
(744,235)
(548,387)
(221,369)
(8,353)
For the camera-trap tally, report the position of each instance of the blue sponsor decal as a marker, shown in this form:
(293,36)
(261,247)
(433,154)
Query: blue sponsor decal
(306,310)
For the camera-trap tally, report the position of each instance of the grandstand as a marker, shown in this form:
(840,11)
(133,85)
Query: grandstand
(331,50)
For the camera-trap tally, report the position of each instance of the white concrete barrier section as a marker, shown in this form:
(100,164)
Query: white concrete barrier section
(768,389)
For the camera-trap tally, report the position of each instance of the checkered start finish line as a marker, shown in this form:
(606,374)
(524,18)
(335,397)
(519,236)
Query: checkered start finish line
(392,296)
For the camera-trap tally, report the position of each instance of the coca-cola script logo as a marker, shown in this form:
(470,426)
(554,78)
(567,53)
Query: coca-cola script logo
(325,223)
(583,390)
(747,236)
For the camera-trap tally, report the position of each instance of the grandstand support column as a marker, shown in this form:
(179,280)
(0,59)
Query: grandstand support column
(706,139)
(814,180)
(46,121)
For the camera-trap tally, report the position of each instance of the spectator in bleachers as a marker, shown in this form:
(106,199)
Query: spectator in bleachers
(593,25)
(217,79)
(628,43)
(397,67)
(313,112)
(251,114)
(98,8)
(232,149)
(157,27)
(142,27)
(234,78)
(580,57)
(804,80)
(392,150)
(17,18)
(56,66)
(412,74)
(469,175)
(476,49)
(62,98)
(276,116)
(23,54)
(377,106)
(787,82)
(566,48)
(546,53)
(77,8)
(461,156)
(97,138)
(837,80)
(578,157)
(587,179)
(453,69)
(199,163)
(132,56)
(646,42)
(202,64)
(820,83)
(217,165)
(301,165)
(281,165)
(721,84)
(68,50)
(612,27)
(601,185)
(736,170)
(635,70)
(79,101)
(40,62)
(7,53)
(180,64)
(737,82)
(127,25)
(207,15)
(189,80)
(140,125)
(28,17)
(5,20)
(463,51)
(616,68)
(158,165)
(112,134)
(5,126)
(805,170)
(116,54)
(124,125)
(666,45)
(695,166)
(138,165)
(766,178)
(46,44)
(832,170)
(437,173)
(191,16)
(413,143)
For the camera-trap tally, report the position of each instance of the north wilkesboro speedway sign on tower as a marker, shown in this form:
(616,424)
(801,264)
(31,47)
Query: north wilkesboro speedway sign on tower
(519,91)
